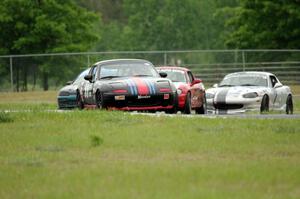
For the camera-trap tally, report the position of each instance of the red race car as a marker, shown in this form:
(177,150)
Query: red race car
(190,91)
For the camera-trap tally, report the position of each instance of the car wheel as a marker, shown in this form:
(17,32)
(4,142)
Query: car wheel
(202,109)
(99,100)
(175,106)
(264,107)
(187,106)
(79,102)
(289,105)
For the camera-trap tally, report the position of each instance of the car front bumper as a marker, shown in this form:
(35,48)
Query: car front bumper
(67,102)
(162,101)
(234,105)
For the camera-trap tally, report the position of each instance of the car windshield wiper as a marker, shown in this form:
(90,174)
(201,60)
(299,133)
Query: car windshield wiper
(226,85)
(248,85)
(110,77)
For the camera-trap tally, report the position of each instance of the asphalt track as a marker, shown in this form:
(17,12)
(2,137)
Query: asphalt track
(162,114)
(213,116)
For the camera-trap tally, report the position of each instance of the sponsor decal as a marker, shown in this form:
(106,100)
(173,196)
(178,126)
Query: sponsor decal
(144,96)
(119,97)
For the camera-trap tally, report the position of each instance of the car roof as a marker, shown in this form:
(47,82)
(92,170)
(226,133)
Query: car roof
(250,72)
(120,60)
(173,68)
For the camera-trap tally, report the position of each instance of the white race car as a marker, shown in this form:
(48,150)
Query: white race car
(244,91)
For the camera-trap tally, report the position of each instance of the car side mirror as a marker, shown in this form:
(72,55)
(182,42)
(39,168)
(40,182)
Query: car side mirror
(196,81)
(215,86)
(277,85)
(163,74)
(69,82)
(88,77)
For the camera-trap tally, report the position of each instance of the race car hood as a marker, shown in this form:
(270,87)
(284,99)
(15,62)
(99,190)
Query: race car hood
(139,85)
(179,84)
(67,90)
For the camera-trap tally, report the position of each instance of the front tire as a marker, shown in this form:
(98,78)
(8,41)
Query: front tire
(187,106)
(264,107)
(175,106)
(79,102)
(202,109)
(100,104)
(289,105)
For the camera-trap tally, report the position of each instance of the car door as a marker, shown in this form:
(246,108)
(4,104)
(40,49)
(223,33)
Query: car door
(279,98)
(88,87)
(195,90)
(281,93)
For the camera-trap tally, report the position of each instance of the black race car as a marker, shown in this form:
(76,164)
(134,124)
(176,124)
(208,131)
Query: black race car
(68,96)
(127,84)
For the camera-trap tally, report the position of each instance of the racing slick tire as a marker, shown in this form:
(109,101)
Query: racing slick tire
(264,107)
(289,105)
(175,106)
(100,103)
(79,102)
(202,109)
(187,106)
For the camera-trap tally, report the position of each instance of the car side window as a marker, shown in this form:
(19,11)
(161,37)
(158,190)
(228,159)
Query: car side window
(273,80)
(191,77)
(93,72)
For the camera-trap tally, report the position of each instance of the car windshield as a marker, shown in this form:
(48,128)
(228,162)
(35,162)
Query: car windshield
(244,80)
(80,77)
(127,69)
(175,75)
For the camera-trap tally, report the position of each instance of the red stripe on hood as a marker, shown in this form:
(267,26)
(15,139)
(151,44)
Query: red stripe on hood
(141,86)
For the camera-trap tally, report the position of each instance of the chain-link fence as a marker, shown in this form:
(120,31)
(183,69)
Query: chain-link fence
(51,71)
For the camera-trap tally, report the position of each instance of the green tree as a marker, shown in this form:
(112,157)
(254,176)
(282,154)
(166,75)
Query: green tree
(46,26)
(166,25)
(265,24)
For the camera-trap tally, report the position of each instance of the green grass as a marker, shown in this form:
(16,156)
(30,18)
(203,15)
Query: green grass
(99,154)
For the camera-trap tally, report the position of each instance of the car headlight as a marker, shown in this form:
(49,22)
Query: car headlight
(210,95)
(250,95)
(179,91)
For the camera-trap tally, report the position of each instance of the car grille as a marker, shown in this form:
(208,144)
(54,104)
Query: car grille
(66,103)
(144,102)
(133,101)
(224,106)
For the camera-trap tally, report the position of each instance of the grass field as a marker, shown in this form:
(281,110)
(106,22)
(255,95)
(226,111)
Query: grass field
(99,154)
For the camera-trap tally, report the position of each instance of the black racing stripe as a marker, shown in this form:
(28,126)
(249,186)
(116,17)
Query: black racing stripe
(221,96)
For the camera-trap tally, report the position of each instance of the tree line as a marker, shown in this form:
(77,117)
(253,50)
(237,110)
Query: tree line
(52,26)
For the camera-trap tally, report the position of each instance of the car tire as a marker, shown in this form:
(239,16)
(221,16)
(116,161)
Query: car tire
(264,107)
(202,109)
(79,102)
(175,106)
(289,105)
(187,106)
(100,104)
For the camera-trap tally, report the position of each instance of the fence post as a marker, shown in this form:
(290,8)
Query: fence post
(88,60)
(11,73)
(244,61)
(165,58)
